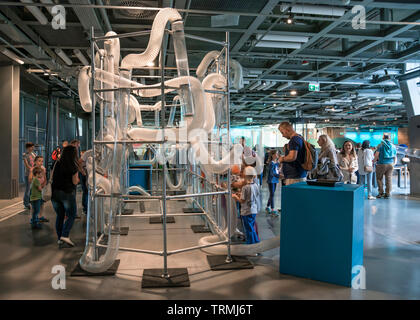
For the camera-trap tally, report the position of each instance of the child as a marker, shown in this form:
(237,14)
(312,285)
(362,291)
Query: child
(249,200)
(39,160)
(36,197)
(272,180)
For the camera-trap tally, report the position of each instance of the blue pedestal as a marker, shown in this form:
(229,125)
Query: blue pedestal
(140,175)
(321,236)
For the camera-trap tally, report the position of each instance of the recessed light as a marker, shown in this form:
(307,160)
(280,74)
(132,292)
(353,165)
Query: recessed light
(293,92)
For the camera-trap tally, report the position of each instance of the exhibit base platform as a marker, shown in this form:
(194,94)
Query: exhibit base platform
(127,212)
(192,210)
(200,228)
(153,278)
(218,262)
(79,272)
(160,220)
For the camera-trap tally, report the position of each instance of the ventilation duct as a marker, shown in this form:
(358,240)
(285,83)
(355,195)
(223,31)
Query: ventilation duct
(277,37)
(278,44)
(36,12)
(314,9)
(133,13)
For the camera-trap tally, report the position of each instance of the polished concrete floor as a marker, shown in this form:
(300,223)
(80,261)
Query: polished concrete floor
(391,259)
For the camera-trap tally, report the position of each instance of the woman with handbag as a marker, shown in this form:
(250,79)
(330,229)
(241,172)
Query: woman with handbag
(365,158)
(347,161)
(327,167)
(64,182)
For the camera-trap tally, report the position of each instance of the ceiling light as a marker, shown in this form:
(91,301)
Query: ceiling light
(289,19)
(151,64)
(293,92)
(81,57)
(278,44)
(11,55)
(278,37)
(63,56)
(36,12)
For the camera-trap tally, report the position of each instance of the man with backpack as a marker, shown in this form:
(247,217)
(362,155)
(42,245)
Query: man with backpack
(294,159)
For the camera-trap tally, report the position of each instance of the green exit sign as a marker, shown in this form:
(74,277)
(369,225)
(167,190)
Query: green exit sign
(248,119)
(313,86)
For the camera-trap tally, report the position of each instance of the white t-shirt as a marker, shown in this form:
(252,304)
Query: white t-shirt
(365,158)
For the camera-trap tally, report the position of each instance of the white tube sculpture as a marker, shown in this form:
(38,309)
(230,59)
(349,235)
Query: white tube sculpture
(121,109)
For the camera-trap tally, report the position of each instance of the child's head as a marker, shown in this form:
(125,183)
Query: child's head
(273,155)
(236,170)
(29,146)
(39,160)
(37,172)
(250,173)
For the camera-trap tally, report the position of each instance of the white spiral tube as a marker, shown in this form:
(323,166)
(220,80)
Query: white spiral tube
(132,60)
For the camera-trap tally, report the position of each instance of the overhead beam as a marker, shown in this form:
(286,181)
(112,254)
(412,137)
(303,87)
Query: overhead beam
(270,5)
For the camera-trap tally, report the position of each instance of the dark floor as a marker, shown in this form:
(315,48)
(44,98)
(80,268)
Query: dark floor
(391,259)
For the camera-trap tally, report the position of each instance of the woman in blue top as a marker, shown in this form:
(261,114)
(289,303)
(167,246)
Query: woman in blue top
(272,180)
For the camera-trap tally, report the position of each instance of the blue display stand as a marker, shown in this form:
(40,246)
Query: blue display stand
(321,234)
(140,175)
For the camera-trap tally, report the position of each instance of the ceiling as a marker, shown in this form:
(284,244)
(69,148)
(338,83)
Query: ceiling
(356,68)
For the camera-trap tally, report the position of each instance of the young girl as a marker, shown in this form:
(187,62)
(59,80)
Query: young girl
(249,204)
(273,176)
(38,163)
(36,197)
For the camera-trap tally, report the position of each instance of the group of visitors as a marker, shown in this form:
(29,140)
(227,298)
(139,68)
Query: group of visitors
(67,171)
(349,165)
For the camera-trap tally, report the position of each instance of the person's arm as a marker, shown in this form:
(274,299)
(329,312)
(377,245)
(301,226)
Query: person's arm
(30,176)
(355,165)
(75,178)
(290,157)
(376,157)
(27,166)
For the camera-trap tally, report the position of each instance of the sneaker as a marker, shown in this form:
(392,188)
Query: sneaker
(267,210)
(43,219)
(60,242)
(386,196)
(382,195)
(274,213)
(67,240)
(372,198)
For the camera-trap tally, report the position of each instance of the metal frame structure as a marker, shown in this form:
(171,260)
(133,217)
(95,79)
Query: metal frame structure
(164,197)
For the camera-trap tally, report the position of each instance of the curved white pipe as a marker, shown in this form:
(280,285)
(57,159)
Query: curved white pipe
(83,89)
(205,63)
(238,249)
(197,121)
(153,47)
(138,189)
(238,80)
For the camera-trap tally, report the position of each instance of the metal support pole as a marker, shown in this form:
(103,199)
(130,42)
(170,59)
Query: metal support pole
(47,132)
(92,95)
(228,204)
(164,169)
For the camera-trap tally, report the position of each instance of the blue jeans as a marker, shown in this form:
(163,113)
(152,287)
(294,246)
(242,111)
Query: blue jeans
(36,207)
(85,194)
(27,194)
(369,176)
(272,189)
(65,206)
(249,222)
